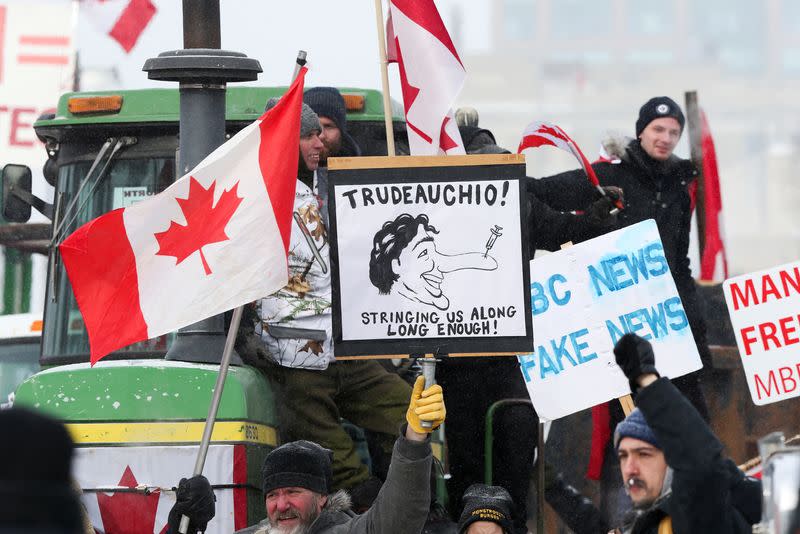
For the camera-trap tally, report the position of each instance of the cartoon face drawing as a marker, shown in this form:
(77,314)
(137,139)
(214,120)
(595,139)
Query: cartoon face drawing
(405,258)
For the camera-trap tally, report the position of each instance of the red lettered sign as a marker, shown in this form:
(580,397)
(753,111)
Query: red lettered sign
(36,66)
(765,314)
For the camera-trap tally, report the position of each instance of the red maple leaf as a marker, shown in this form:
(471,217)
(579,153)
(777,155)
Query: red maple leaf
(205,223)
(410,93)
(445,141)
(553,131)
(128,513)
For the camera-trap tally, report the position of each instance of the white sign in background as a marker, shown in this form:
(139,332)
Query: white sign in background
(159,466)
(450,284)
(37,63)
(583,299)
(763,307)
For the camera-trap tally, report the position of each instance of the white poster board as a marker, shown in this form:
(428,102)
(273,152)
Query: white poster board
(429,259)
(37,62)
(37,65)
(583,299)
(154,466)
(764,313)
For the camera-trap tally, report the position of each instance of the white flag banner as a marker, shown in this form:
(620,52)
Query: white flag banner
(583,299)
(431,75)
(125,512)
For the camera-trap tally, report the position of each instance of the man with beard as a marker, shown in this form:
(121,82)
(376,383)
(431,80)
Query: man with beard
(328,104)
(298,481)
(672,464)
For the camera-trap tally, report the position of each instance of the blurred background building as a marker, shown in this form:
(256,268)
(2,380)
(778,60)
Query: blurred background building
(588,66)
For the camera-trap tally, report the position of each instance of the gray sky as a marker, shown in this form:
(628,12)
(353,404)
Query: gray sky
(339,36)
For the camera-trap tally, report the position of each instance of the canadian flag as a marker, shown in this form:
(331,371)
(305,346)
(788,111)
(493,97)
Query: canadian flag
(215,239)
(431,76)
(122,20)
(539,133)
(713,264)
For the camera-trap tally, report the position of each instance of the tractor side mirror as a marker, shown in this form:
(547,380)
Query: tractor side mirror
(16,183)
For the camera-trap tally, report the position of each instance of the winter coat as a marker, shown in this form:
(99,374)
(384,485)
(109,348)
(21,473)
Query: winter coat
(295,322)
(401,507)
(705,490)
(548,229)
(653,190)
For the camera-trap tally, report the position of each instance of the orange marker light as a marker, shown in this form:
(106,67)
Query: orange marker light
(353,102)
(94,104)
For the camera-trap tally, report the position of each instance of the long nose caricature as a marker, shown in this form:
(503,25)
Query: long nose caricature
(405,258)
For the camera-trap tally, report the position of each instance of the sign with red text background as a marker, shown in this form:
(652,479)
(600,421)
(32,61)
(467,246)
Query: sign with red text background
(37,62)
(764,313)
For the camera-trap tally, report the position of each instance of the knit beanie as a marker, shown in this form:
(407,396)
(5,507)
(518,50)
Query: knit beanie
(301,464)
(657,108)
(309,121)
(486,503)
(328,102)
(635,426)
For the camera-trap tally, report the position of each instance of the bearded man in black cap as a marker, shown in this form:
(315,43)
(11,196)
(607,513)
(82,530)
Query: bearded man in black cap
(655,183)
(298,484)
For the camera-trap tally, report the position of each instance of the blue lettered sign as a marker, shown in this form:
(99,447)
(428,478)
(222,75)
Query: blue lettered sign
(583,299)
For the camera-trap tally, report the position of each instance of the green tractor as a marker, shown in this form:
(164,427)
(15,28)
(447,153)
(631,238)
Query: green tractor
(137,418)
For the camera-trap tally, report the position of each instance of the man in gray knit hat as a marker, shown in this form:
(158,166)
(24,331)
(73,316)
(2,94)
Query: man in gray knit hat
(311,146)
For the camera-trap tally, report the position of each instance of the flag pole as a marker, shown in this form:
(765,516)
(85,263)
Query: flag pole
(224,363)
(693,125)
(214,407)
(387,103)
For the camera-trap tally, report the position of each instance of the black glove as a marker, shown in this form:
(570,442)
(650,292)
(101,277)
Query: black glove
(635,356)
(194,499)
(615,194)
(599,212)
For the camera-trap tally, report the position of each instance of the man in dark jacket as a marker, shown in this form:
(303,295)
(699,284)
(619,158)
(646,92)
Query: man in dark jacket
(672,463)
(475,384)
(655,184)
(298,480)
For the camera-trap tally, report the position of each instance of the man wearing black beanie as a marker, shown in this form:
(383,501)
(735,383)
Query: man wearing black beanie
(655,184)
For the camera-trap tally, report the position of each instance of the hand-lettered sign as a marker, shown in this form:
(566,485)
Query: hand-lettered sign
(764,313)
(583,299)
(429,255)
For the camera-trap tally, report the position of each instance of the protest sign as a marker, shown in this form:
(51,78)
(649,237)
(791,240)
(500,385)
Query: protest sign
(764,313)
(429,255)
(583,299)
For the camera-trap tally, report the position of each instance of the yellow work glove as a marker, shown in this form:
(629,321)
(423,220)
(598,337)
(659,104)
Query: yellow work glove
(427,405)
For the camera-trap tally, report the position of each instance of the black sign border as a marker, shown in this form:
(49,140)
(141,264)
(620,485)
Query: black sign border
(441,346)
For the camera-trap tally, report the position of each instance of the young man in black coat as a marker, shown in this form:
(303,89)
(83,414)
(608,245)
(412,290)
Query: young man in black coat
(655,183)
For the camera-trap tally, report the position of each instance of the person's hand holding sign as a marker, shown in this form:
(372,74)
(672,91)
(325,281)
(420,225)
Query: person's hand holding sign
(425,405)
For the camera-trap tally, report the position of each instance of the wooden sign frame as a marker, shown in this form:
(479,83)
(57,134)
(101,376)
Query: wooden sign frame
(376,170)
